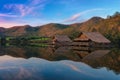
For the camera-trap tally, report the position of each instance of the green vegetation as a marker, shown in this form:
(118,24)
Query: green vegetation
(38,45)
(115,39)
(74,35)
(38,38)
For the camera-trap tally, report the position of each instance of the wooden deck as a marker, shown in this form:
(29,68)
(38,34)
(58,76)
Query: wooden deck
(80,44)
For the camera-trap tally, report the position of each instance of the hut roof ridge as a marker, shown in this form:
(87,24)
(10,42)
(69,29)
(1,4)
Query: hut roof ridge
(96,37)
(63,38)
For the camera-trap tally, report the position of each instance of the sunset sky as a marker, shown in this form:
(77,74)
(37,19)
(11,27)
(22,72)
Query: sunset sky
(39,12)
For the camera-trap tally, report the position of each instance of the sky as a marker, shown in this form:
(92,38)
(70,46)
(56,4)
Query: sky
(39,12)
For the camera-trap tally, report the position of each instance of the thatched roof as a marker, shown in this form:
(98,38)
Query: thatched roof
(95,36)
(62,38)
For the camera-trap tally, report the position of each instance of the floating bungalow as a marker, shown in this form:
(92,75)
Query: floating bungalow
(61,40)
(91,39)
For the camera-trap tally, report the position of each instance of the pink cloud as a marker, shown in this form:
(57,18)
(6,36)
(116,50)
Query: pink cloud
(78,15)
(7,24)
(73,18)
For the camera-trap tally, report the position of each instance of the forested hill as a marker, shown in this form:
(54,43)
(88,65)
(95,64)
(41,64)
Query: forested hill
(110,27)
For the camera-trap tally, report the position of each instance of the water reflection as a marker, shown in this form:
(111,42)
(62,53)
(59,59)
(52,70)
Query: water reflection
(60,63)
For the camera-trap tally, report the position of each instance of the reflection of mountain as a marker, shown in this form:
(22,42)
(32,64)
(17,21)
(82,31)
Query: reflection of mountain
(49,53)
(96,58)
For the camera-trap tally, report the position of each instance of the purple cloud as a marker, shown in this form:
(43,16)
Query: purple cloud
(19,8)
(37,2)
(17,12)
(7,15)
(26,9)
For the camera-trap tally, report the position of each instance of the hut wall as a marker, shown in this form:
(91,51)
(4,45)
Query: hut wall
(81,43)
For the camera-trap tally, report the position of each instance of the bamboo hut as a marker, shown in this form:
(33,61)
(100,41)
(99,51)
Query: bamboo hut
(91,39)
(61,40)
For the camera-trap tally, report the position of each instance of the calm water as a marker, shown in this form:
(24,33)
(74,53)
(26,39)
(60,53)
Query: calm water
(62,63)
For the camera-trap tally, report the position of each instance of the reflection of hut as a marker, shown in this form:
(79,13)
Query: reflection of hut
(95,55)
(62,50)
(61,40)
(65,53)
(91,39)
(81,54)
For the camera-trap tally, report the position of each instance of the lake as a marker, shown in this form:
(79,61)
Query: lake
(58,63)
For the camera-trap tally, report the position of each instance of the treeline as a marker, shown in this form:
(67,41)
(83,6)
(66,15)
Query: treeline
(24,40)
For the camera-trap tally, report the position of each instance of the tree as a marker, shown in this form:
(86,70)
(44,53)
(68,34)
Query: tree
(108,17)
(116,14)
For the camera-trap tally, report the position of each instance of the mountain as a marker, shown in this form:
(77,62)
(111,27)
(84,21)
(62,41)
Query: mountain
(51,29)
(20,31)
(27,30)
(110,27)
(90,24)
